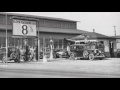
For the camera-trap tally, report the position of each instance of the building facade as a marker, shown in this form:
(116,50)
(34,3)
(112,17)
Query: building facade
(56,28)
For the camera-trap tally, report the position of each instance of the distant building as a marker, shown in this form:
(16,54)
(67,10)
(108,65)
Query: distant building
(108,44)
(117,42)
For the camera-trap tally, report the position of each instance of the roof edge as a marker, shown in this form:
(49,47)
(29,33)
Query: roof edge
(36,16)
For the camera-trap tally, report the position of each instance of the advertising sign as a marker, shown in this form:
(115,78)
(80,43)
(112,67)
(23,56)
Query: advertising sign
(24,28)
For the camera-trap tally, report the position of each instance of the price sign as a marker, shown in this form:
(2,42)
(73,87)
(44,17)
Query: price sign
(23,27)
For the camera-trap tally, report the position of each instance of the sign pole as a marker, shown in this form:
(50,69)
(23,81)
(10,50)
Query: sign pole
(44,51)
(6,41)
(38,45)
(38,42)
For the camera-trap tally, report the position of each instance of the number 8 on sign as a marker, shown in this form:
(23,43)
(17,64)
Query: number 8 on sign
(24,29)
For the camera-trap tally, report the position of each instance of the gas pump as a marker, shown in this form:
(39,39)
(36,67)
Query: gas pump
(44,51)
(51,48)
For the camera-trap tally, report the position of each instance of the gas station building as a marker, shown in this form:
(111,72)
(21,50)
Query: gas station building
(56,28)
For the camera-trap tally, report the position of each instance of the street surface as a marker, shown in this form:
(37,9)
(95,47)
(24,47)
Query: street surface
(62,68)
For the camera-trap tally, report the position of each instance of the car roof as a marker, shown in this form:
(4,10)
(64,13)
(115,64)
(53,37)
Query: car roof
(78,45)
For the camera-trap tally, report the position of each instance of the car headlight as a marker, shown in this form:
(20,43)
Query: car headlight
(95,51)
(100,51)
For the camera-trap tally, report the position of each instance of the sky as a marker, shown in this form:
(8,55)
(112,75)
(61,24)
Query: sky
(102,22)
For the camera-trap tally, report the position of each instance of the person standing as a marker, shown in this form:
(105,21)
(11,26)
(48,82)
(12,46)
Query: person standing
(27,53)
(68,49)
(36,49)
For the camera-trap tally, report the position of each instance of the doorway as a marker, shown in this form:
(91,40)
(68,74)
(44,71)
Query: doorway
(111,47)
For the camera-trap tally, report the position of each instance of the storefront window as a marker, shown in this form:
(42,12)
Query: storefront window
(64,44)
(60,43)
(3,42)
(11,42)
(56,44)
(47,41)
(41,44)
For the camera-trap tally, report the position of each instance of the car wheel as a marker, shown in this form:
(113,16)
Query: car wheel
(85,54)
(72,56)
(15,60)
(91,56)
(54,56)
(13,56)
(60,56)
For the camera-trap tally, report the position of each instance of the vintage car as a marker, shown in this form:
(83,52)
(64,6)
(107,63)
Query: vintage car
(46,52)
(61,54)
(118,53)
(83,51)
(41,55)
(13,54)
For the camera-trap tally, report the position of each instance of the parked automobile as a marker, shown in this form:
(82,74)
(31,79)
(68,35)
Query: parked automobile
(41,55)
(60,54)
(118,53)
(83,51)
(13,53)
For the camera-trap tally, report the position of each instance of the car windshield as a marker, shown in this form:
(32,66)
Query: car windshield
(77,47)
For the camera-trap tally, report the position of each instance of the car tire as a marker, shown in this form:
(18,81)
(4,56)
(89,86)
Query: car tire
(54,56)
(72,56)
(91,56)
(13,56)
(60,56)
(85,54)
(15,60)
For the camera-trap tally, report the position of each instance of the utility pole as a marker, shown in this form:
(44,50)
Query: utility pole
(115,38)
(115,30)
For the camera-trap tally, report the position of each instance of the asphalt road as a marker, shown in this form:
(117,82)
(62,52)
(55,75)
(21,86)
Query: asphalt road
(15,73)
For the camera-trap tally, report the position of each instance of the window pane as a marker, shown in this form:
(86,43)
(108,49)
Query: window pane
(60,43)
(56,44)
(65,44)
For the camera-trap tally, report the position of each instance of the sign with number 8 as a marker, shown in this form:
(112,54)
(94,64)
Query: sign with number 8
(24,29)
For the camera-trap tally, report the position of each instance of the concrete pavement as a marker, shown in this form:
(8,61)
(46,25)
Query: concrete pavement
(109,67)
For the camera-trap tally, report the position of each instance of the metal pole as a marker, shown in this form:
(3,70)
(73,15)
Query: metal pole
(38,42)
(115,37)
(6,41)
(44,51)
(38,45)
